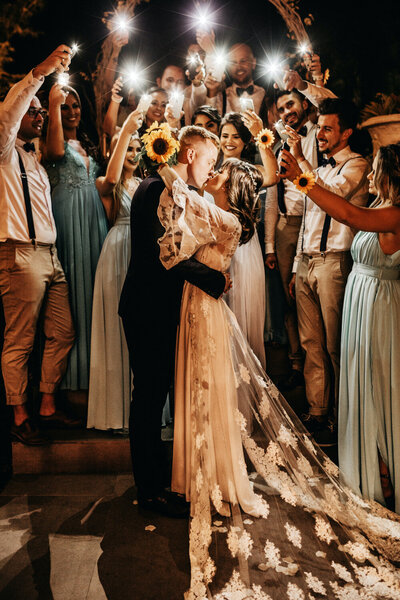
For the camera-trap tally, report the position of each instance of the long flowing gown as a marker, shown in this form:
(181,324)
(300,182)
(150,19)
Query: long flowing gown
(246,298)
(309,535)
(369,398)
(81,230)
(110,376)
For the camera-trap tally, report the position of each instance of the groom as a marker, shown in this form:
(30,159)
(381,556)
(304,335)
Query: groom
(149,307)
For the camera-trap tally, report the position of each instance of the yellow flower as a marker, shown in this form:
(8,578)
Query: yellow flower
(160,146)
(326,76)
(265,138)
(305,182)
(155,126)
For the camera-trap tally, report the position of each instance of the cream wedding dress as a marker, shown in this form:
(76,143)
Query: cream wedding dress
(270,516)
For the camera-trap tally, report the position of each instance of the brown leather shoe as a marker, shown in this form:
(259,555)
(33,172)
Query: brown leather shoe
(59,420)
(27,433)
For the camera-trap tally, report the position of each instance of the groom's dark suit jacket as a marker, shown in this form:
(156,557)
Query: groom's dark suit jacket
(150,307)
(151,294)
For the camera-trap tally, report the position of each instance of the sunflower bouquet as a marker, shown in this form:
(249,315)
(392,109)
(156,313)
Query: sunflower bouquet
(159,147)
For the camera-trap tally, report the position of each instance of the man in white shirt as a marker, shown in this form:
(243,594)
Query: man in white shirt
(31,278)
(283,217)
(241,66)
(323,260)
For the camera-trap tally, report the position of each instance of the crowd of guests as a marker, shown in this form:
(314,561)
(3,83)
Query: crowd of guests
(65,249)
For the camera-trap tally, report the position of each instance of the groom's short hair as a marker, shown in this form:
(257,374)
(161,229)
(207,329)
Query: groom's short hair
(190,132)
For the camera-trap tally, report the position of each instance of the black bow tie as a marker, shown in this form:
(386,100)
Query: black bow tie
(302,131)
(249,90)
(328,161)
(29,147)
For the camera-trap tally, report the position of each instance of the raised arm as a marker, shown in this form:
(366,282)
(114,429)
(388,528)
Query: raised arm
(105,185)
(269,165)
(18,99)
(385,219)
(111,116)
(314,93)
(55,149)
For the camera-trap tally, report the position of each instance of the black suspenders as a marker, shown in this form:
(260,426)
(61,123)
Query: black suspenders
(27,198)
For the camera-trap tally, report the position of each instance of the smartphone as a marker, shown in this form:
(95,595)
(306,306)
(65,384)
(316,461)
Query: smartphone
(194,62)
(246,104)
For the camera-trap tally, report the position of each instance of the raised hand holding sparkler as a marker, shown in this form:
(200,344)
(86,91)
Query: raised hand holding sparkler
(58,61)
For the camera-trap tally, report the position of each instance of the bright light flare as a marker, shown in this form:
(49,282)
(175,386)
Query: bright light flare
(274,66)
(63,79)
(133,76)
(219,61)
(304,48)
(75,49)
(121,23)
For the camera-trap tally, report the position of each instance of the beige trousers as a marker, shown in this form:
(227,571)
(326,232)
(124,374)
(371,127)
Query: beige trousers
(32,281)
(286,235)
(320,285)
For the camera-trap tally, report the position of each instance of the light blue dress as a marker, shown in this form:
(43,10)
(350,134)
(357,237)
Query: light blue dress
(369,397)
(82,226)
(110,376)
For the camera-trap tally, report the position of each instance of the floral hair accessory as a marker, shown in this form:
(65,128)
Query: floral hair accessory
(159,147)
(265,138)
(305,182)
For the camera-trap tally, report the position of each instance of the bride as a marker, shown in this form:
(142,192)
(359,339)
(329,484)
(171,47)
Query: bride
(271,517)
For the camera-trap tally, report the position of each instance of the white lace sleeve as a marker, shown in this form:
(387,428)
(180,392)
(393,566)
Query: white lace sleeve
(190,222)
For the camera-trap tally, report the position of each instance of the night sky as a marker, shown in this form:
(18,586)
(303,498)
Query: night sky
(358,41)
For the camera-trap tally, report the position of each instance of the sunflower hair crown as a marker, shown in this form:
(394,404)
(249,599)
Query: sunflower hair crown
(265,138)
(304,182)
(159,147)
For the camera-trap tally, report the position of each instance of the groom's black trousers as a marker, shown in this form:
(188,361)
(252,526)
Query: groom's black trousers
(152,363)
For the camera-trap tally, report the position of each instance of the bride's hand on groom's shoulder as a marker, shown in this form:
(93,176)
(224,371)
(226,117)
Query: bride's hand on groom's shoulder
(168,175)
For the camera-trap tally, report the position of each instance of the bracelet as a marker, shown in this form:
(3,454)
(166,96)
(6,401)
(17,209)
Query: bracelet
(304,182)
(265,138)
(116,98)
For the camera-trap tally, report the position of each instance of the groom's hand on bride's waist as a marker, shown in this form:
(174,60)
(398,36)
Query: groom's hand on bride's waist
(228,282)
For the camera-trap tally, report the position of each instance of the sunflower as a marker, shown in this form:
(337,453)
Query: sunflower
(160,146)
(305,182)
(265,138)
(153,127)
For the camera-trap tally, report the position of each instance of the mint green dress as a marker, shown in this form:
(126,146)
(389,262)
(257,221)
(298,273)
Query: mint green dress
(369,397)
(82,226)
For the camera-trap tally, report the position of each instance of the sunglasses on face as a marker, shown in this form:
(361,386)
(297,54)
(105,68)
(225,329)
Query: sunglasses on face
(34,112)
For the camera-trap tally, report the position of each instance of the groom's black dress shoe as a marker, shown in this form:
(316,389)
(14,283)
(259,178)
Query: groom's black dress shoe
(167,504)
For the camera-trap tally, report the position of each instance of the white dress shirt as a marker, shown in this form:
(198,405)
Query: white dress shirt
(316,93)
(348,179)
(13,220)
(233,100)
(294,200)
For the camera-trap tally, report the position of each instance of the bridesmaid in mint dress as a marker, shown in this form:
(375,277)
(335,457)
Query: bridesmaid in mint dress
(369,398)
(110,384)
(80,220)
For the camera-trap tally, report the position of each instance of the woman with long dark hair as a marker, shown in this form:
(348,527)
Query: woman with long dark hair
(247,298)
(73,164)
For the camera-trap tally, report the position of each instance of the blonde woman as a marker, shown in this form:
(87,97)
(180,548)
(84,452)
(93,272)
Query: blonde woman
(110,379)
